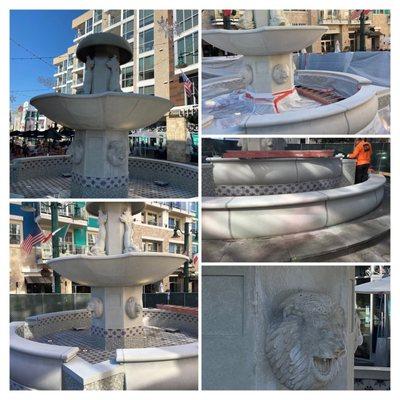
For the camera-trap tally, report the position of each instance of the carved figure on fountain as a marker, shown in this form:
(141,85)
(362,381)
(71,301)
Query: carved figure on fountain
(117,152)
(99,247)
(88,81)
(127,219)
(306,344)
(113,65)
(132,308)
(96,307)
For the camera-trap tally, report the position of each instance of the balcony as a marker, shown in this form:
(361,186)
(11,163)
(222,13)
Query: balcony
(66,249)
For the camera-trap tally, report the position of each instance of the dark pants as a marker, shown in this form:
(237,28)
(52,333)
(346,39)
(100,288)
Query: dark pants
(362,173)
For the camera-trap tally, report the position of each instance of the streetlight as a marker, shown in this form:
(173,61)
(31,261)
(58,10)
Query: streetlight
(186,238)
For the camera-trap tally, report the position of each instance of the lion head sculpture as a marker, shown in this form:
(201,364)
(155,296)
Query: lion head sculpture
(305,346)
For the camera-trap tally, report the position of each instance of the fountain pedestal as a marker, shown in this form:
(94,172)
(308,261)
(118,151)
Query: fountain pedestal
(100,164)
(121,320)
(271,75)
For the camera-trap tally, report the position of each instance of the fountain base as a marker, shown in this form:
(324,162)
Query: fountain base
(100,164)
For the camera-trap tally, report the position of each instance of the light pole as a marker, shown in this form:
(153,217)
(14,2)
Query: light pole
(55,241)
(186,242)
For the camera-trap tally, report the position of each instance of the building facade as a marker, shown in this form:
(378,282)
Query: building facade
(341,27)
(27,118)
(153,231)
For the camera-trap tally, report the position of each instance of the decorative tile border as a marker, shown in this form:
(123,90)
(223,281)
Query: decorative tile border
(281,188)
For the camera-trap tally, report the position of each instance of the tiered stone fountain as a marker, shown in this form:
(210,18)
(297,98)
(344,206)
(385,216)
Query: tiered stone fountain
(258,92)
(115,335)
(102,117)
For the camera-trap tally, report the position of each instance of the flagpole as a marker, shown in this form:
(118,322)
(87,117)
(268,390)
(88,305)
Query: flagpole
(55,241)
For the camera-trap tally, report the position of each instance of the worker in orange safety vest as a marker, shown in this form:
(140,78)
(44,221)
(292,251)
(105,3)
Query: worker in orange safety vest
(363,154)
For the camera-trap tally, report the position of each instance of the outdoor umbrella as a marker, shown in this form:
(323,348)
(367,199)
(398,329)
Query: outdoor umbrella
(15,133)
(375,287)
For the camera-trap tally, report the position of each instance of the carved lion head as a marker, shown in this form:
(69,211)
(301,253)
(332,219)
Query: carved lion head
(306,344)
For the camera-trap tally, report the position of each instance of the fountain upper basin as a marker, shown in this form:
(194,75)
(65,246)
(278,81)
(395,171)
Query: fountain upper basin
(109,110)
(264,41)
(131,269)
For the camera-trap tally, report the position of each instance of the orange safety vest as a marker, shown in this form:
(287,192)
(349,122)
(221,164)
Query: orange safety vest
(362,152)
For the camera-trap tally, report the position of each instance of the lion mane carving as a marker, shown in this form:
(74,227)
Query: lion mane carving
(306,344)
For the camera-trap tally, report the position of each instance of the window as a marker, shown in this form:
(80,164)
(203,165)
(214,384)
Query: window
(89,25)
(146,17)
(15,233)
(150,246)
(172,222)
(195,248)
(127,29)
(97,28)
(187,50)
(186,19)
(152,219)
(175,248)
(146,40)
(148,90)
(127,77)
(127,13)
(70,60)
(146,68)
(98,14)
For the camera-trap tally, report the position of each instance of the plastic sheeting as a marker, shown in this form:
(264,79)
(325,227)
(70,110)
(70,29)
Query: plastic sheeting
(373,65)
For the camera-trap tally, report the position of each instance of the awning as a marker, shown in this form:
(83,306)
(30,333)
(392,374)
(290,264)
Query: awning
(38,280)
(375,287)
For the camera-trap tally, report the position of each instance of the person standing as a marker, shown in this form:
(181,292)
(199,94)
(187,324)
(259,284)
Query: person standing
(363,154)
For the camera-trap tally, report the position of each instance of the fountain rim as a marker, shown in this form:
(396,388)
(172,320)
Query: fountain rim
(224,39)
(226,203)
(97,95)
(265,28)
(131,254)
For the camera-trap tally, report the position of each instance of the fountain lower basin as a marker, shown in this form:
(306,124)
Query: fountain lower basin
(356,113)
(131,269)
(102,111)
(267,40)
(244,217)
(37,365)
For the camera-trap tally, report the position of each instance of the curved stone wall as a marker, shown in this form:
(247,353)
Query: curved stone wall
(30,361)
(268,216)
(144,168)
(255,177)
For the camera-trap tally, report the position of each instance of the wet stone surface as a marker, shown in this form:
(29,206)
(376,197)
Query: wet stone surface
(59,187)
(92,351)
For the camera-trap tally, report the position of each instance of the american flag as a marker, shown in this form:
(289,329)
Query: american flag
(35,236)
(187,84)
(355,14)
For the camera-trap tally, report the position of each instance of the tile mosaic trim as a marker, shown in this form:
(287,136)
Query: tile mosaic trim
(281,188)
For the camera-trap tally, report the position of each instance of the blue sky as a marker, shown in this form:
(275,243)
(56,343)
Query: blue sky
(47,33)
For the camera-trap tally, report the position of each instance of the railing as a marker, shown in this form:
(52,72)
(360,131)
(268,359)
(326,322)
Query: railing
(66,249)
(23,306)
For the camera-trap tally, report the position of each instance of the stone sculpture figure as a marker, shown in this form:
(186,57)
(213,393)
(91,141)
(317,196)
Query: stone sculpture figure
(99,247)
(116,152)
(113,65)
(127,219)
(88,81)
(306,344)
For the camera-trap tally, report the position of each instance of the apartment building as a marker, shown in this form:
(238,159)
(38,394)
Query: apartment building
(153,231)
(341,27)
(164,44)
(27,118)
